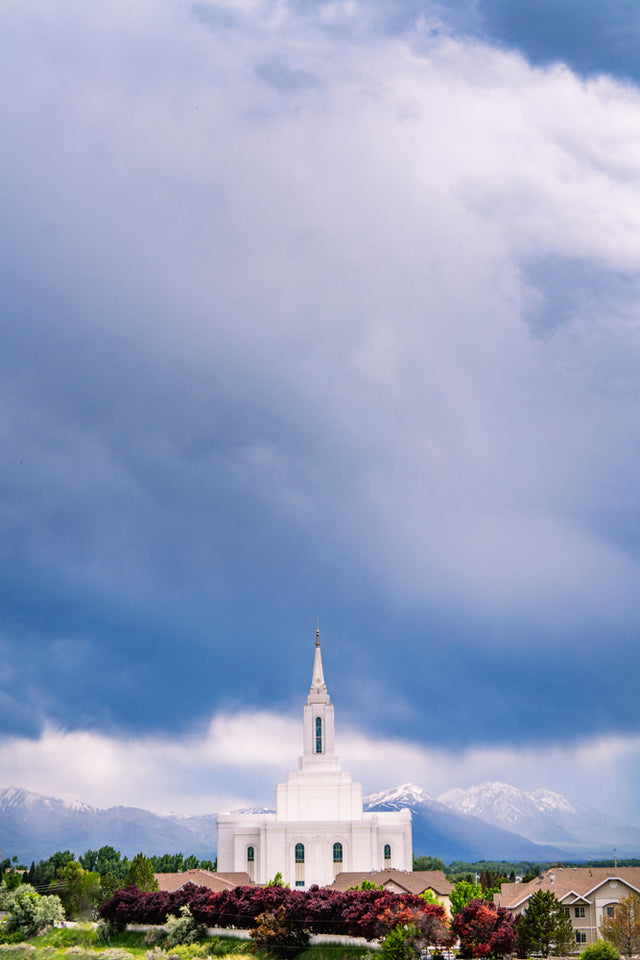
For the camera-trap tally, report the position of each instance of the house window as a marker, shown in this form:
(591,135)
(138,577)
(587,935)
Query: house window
(579,912)
(250,854)
(318,734)
(387,851)
(611,910)
(337,853)
(299,852)
(581,936)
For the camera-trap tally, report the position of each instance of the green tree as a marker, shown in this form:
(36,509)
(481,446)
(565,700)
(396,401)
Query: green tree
(398,944)
(80,889)
(28,913)
(463,893)
(430,897)
(44,873)
(367,885)
(108,886)
(623,928)
(277,881)
(428,863)
(141,873)
(12,880)
(105,860)
(544,925)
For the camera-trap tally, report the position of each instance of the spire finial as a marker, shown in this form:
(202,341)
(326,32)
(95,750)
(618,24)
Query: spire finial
(317,633)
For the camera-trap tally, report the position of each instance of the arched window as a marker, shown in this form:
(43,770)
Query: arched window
(251,854)
(299,852)
(387,851)
(318,734)
(337,853)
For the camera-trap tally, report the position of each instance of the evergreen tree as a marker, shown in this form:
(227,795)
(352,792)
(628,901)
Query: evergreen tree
(544,925)
(141,873)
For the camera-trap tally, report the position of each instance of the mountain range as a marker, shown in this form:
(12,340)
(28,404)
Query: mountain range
(493,821)
(510,823)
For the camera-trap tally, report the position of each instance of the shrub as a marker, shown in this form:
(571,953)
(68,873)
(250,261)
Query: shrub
(397,945)
(28,912)
(184,929)
(279,937)
(155,936)
(17,951)
(601,950)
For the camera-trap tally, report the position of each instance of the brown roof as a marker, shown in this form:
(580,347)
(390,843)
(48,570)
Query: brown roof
(568,883)
(202,878)
(413,881)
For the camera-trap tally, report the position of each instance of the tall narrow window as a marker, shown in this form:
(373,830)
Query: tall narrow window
(299,877)
(387,852)
(251,856)
(337,859)
(318,734)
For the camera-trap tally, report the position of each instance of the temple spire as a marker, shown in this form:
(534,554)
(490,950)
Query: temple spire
(318,686)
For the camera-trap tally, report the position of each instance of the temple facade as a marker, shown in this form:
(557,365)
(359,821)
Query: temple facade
(319,828)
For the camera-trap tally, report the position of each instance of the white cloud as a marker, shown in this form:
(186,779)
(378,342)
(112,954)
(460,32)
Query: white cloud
(241,757)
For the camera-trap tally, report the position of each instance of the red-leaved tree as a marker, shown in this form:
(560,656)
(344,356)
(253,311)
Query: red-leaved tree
(484,930)
(358,913)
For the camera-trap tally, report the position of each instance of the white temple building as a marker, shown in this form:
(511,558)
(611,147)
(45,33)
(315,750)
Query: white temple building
(319,828)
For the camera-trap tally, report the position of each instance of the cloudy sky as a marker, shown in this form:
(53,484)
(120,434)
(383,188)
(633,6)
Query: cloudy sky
(319,310)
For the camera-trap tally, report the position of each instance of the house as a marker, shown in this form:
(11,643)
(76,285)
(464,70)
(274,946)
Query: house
(170,882)
(400,881)
(319,828)
(587,894)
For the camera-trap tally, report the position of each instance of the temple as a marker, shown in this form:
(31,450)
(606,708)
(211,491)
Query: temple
(319,828)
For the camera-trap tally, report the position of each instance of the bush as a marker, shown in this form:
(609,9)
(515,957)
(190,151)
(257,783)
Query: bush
(28,912)
(184,929)
(279,937)
(17,951)
(601,950)
(397,945)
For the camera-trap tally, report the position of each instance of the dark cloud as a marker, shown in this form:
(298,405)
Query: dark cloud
(372,359)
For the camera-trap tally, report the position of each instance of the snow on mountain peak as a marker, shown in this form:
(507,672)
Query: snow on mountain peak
(407,795)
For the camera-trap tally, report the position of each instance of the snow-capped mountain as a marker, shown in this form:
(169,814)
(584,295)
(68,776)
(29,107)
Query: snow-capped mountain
(439,831)
(408,795)
(543,816)
(33,826)
(491,821)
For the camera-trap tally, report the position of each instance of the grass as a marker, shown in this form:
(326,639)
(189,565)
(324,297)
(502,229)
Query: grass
(80,943)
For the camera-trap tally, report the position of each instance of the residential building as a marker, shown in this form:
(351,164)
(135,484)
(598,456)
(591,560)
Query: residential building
(170,882)
(401,881)
(586,893)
